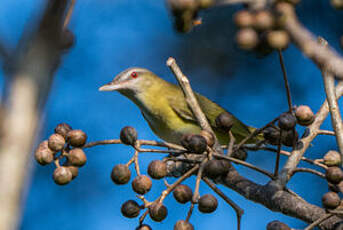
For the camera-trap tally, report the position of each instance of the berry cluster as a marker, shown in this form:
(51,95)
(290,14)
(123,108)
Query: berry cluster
(285,132)
(64,145)
(185,12)
(334,176)
(157,169)
(261,30)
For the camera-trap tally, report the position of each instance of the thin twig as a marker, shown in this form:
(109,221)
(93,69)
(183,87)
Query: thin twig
(308,170)
(284,73)
(326,132)
(238,210)
(190,211)
(231,144)
(278,153)
(320,220)
(191,100)
(246,164)
(69,13)
(196,194)
(336,119)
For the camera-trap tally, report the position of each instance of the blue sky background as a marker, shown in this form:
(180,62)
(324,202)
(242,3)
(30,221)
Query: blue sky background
(114,35)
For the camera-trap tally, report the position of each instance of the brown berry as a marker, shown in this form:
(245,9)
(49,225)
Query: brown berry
(77,157)
(182,193)
(225,121)
(337,4)
(121,174)
(331,200)
(183,225)
(287,121)
(304,115)
(67,39)
(263,20)
(177,6)
(130,209)
(144,227)
(158,212)
(332,158)
(277,225)
(278,39)
(272,135)
(334,175)
(43,154)
(247,38)
(56,142)
(62,175)
(76,138)
(157,169)
(63,129)
(128,135)
(194,143)
(207,203)
(141,184)
(243,18)
(74,171)
(208,136)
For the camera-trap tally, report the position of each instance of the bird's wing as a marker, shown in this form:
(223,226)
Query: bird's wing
(210,109)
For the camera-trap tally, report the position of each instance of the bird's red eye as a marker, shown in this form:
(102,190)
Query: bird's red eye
(134,74)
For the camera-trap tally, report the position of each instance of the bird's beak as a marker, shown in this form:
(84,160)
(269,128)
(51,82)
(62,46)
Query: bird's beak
(112,86)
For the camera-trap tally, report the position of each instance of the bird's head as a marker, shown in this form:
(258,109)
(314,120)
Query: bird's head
(131,81)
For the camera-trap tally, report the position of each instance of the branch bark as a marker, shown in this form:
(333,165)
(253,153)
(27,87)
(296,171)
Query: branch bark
(36,59)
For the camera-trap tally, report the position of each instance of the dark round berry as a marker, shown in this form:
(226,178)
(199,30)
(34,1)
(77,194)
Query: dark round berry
(158,212)
(332,158)
(208,136)
(63,129)
(77,157)
(67,39)
(304,115)
(76,138)
(130,209)
(43,154)
(289,137)
(141,184)
(331,200)
(225,121)
(128,135)
(157,169)
(207,203)
(278,39)
(272,135)
(287,121)
(277,225)
(243,18)
(194,143)
(183,225)
(62,175)
(182,193)
(263,20)
(121,174)
(56,142)
(240,154)
(215,168)
(247,38)
(334,175)
(144,227)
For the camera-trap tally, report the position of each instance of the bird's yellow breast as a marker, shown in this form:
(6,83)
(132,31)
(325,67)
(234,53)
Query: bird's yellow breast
(163,120)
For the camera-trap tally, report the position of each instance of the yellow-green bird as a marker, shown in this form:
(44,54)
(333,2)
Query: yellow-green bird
(165,109)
